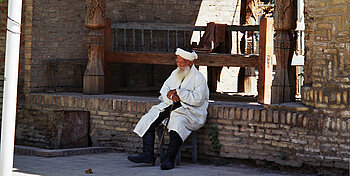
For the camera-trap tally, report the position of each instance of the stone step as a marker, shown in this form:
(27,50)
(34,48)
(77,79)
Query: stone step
(25,150)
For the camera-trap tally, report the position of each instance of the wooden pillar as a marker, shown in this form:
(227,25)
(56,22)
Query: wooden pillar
(265,60)
(213,77)
(250,81)
(247,77)
(95,22)
(283,86)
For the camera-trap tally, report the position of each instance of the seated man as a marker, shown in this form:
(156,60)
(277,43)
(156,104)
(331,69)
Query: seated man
(188,91)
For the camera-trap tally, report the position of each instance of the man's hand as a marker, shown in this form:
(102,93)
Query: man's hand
(172,95)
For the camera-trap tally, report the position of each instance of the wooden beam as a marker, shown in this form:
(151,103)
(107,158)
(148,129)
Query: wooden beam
(170,59)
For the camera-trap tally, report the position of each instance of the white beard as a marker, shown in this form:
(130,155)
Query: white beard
(181,75)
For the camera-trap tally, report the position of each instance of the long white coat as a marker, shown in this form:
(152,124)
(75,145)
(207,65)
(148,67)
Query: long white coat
(194,96)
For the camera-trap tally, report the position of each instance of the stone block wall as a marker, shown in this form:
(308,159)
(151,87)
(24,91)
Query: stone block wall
(327,60)
(287,137)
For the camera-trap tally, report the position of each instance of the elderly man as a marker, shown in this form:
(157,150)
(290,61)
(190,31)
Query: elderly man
(185,96)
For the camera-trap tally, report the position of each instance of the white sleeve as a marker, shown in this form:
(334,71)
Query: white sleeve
(164,91)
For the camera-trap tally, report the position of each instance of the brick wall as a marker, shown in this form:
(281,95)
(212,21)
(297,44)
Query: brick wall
(167,11)
(3,21)
(287,137)
(170,11)
(327,65)
(57,32)
(3,12)
(24,50)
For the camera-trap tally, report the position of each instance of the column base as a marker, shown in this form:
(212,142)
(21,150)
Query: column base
(94,84)
(282,94)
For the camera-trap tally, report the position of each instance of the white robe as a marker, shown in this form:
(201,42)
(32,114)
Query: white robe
(194,98)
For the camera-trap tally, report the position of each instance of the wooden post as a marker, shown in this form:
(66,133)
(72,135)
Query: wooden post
(213,77)
(106,33)
(95,21)
(265,60)
(94,75)
(283,85)
(248,16)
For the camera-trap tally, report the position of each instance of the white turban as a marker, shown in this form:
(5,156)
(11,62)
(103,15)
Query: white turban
(186,55)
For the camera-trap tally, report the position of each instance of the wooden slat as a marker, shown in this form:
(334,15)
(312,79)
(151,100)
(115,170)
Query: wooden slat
(235,60)
(184,40)
(133,40)
(168,41)
(169,59)
(142,40)
(237,42)
(243,28)
(124,39)
(115,40)
(151,40)
(176,39)
(107,47)
(106,33)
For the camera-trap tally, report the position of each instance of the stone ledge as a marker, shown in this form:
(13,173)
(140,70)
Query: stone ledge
(291,106)
(25,150)
(294,114)
(328,98)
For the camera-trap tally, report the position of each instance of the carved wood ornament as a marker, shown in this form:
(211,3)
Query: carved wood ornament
(95,15)
(283,85)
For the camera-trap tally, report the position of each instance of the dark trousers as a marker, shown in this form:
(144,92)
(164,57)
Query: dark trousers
(163,115)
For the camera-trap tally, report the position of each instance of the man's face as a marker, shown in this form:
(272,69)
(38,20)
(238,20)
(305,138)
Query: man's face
(182,63)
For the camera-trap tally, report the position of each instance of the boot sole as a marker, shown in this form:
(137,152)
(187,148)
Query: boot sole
(143,161)
(166,168)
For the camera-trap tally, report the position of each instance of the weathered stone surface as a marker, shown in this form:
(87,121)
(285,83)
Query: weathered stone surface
(70,129)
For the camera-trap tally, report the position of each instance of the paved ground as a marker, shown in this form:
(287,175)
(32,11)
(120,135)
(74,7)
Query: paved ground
(115,164)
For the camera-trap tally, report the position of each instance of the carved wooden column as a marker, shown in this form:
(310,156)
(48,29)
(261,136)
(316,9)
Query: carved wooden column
(95,22)
(283,85)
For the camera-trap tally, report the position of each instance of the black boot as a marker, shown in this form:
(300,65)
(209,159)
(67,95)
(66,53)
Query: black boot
(175,143)
(147,156)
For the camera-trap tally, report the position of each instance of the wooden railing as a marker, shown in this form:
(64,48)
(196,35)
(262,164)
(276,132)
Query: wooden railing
(122,32)
(142,43)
